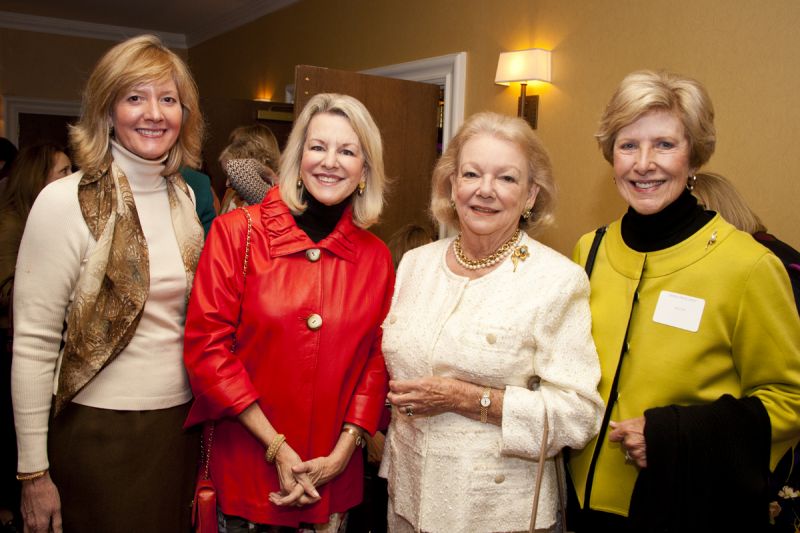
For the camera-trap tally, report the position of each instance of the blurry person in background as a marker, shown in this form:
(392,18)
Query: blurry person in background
(717,193)
(205,199)
(7,154)
(407,238)
(35,167)
(370,515)
(250,162)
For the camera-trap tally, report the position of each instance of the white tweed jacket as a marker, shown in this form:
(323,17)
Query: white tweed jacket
(449,473)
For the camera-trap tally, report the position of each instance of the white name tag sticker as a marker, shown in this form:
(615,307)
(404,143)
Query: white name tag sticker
(679,311)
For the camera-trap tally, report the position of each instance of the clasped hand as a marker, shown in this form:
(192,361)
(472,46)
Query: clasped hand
(299,478)
(630,433)
(427,396)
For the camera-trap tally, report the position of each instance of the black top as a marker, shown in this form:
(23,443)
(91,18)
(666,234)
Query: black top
(318,220)
(675,223)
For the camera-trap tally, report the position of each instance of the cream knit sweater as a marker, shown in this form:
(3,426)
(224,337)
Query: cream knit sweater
(148,373)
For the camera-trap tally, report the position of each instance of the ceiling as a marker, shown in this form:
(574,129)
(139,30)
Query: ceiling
(181,23)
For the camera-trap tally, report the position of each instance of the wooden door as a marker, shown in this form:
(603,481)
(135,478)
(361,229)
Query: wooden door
(406,114)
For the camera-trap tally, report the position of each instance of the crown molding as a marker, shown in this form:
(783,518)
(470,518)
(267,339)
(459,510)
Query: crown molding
(225,22)
(76,28)
(255,9)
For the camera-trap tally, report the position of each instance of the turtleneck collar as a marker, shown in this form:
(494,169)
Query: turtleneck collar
(319,220)
(142,174)
(673,224)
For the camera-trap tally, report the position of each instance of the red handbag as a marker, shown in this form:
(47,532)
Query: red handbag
(204,505)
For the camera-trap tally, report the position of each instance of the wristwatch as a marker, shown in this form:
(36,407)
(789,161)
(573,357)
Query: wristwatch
(485,401)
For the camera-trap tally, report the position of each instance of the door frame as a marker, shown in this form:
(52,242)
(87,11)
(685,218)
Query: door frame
(14,105)
(449,71)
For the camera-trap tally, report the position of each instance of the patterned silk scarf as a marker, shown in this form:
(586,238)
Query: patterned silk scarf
(115,281)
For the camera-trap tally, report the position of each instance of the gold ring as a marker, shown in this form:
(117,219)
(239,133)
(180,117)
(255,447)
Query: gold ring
(409,411)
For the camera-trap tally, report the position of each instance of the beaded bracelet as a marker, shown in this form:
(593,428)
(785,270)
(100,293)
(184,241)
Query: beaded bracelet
(31,476)
(274,446)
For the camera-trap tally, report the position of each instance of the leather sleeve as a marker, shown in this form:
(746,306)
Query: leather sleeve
(220,383)
(367,404)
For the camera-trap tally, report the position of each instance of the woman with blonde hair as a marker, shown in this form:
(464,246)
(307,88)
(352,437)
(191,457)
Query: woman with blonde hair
(717,193)
(697,335)
(110,251)
(251,162)
(488,342)
(297,288)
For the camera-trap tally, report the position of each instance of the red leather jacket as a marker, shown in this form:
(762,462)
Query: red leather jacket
(307,381)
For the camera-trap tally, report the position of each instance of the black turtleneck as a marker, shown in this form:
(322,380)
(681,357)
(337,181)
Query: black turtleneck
(673,224)
(318,220)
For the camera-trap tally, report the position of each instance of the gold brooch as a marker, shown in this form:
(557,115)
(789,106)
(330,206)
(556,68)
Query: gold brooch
(520,254)
(712,240)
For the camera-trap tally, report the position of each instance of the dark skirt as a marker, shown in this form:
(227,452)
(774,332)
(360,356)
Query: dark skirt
(123,471)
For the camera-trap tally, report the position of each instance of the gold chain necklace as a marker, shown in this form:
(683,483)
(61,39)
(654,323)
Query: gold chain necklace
(489,260)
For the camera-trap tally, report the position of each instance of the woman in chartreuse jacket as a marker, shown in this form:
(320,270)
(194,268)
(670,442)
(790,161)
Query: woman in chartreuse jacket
(696,330)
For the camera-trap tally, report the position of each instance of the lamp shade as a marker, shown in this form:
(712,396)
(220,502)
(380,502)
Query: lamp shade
(523,66)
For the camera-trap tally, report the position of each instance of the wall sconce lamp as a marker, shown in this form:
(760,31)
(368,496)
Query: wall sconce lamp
(524,66)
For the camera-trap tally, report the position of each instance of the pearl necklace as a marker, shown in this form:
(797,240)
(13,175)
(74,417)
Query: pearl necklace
(489,260)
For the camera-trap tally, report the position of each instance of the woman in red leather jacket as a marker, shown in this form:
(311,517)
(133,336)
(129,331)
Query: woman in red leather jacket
(286,357)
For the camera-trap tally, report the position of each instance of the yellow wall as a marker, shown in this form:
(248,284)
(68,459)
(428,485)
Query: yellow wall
(42,65)
(745,51)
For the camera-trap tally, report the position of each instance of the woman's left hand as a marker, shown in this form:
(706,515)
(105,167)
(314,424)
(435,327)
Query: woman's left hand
(319,470)
(630,433)
(431,395)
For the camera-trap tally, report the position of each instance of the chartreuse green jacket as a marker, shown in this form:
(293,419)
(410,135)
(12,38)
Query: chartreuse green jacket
(711,315)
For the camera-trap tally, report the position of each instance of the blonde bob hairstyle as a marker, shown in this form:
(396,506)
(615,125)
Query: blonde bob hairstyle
(644,91)
(718,194)
(366,207)
(512,129)
(139,60)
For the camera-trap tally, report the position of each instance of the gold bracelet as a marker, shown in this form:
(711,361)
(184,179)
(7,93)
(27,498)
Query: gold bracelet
(485,401)
(31,476)
(274,446)
(360,440)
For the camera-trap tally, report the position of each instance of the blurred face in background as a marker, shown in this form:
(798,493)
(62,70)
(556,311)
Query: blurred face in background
(61,167)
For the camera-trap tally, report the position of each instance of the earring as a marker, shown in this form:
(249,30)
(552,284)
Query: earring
(299,183)
(361,186)
(452,205)
(690,183)
(527,213)
(613,178)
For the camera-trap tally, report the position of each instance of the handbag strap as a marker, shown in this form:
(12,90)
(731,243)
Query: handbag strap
(208,433)
(533,384)
(598,236)
(539,475)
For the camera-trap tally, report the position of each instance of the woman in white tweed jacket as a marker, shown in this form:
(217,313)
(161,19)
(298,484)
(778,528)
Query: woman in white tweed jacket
(473,319)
